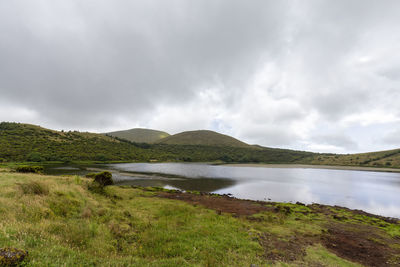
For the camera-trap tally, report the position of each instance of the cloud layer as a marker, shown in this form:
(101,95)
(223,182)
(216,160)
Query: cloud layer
(312,75)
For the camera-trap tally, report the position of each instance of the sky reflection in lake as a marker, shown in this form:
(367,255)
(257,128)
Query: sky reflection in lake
(375,192)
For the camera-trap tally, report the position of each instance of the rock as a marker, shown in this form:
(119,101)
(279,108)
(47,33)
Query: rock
(12,256)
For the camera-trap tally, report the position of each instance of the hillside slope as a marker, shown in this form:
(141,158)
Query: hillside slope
(388,158)
(202,137)
(140,135)
(25,142)
(22,142)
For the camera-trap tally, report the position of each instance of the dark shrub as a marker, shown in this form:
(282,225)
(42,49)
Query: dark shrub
(30,169)
(104,178)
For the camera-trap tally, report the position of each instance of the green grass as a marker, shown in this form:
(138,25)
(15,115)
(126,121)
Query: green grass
(317,254)
(65,224)
(72,226)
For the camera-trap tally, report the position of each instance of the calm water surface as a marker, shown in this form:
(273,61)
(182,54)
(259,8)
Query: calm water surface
(375,192)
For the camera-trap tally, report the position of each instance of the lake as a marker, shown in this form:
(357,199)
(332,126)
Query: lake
(374,192)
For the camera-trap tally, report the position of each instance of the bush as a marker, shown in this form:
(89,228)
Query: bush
(30,169)
(34,188)
(104,178)
(101,180)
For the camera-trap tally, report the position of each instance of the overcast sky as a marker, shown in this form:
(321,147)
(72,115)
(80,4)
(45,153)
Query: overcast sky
(311,75)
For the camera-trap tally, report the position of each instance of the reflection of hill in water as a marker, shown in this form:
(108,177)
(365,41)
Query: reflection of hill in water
(195,184)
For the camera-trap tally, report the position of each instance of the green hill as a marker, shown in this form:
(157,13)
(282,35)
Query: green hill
(202,137)
(140,135)
(388,158)
(25,142)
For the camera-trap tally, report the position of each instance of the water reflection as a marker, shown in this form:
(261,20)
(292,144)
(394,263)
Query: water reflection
(375,192)
(195,184)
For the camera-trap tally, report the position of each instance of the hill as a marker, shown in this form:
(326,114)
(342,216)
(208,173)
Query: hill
(26,142)
(388,158)
(140,135)
(202,137)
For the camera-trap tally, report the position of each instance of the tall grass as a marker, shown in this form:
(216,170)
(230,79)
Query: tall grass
(34,188)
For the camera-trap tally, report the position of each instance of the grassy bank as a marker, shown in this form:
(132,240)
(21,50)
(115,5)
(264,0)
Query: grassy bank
(60,222)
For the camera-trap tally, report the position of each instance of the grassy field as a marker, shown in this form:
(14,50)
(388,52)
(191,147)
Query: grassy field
(60,222)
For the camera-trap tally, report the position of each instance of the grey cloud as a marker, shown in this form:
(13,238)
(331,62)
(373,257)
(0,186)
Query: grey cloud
(392,138)
(127,57)
(103,64)
(337,140)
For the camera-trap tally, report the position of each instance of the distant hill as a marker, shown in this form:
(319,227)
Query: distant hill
(140,135)
(26,142)
(388,158)
(202,137)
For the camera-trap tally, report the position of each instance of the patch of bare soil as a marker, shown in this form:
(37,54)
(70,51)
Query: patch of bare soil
(277,249)
(360,243)
(239,207)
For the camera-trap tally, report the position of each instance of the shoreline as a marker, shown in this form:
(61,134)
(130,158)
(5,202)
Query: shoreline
(87,223)
(310,166)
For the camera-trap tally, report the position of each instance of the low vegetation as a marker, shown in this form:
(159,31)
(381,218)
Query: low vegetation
(388,159)
(59,221)
(29,169)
